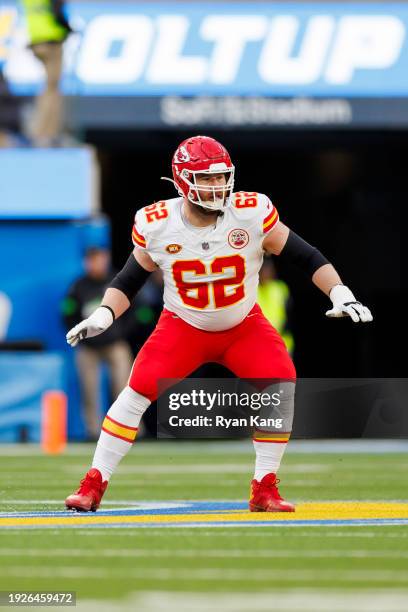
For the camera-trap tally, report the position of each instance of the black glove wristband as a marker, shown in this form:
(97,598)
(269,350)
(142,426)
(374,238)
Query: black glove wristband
(110,309)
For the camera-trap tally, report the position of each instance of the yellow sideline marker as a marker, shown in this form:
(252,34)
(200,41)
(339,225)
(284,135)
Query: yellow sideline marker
(310,511)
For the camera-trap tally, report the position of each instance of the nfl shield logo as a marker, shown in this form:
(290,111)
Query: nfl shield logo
(205,246)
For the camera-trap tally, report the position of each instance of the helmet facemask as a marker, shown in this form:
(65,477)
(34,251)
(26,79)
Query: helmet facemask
(221,194)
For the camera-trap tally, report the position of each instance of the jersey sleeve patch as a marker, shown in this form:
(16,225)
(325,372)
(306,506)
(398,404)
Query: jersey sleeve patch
(137,238)
(270,220)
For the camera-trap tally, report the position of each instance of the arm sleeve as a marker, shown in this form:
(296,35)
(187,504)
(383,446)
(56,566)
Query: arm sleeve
(131,278)
(302,254)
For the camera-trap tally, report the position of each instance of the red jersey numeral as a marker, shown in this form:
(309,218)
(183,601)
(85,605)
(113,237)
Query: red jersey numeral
(221,298)
(155,211)
(201,299)
(245,199)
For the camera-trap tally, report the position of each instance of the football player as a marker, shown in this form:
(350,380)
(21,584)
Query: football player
(209,243)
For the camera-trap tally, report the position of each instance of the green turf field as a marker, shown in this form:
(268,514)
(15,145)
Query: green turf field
(208,568)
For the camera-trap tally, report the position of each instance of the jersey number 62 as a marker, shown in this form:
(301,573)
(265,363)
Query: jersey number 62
(201,289)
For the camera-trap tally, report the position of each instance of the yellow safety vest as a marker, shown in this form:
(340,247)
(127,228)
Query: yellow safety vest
(41,22)
(272,298)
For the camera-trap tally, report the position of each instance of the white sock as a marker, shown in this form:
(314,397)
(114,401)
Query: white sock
(119,430)
(268,457)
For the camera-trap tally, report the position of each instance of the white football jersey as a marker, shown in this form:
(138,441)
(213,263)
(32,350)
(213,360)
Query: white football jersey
(210,274)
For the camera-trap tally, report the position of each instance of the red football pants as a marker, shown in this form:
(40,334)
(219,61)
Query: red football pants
(252,349)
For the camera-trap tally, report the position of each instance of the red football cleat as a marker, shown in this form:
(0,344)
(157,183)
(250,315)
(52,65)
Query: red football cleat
(88,496)
(265,496)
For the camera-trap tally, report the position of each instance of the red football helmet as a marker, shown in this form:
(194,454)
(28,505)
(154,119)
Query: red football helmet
(203,155)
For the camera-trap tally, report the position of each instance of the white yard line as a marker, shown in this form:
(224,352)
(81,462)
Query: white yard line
(139,504)
(203,574)
(295,600)
(175,447)
(98,532)
(139,480)
(203,468)
(194,553)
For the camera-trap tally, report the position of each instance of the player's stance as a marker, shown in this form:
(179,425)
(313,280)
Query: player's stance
(209,243)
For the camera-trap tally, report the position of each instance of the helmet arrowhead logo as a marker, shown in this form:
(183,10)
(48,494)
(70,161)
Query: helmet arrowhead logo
(181,155)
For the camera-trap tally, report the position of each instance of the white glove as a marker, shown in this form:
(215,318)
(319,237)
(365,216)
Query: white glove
(94,325)
(346,305)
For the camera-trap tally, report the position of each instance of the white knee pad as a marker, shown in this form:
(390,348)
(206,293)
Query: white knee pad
(129,407)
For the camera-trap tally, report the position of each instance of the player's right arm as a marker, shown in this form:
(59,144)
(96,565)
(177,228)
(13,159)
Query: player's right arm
(117,297)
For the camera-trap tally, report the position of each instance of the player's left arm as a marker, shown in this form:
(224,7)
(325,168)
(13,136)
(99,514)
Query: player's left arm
(284,242)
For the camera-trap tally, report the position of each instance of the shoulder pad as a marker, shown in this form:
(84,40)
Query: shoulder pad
(150,219)
(255,206)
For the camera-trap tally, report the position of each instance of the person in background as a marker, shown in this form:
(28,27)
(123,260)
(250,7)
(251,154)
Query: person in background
(47,30)
(275,302)
(80,301)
